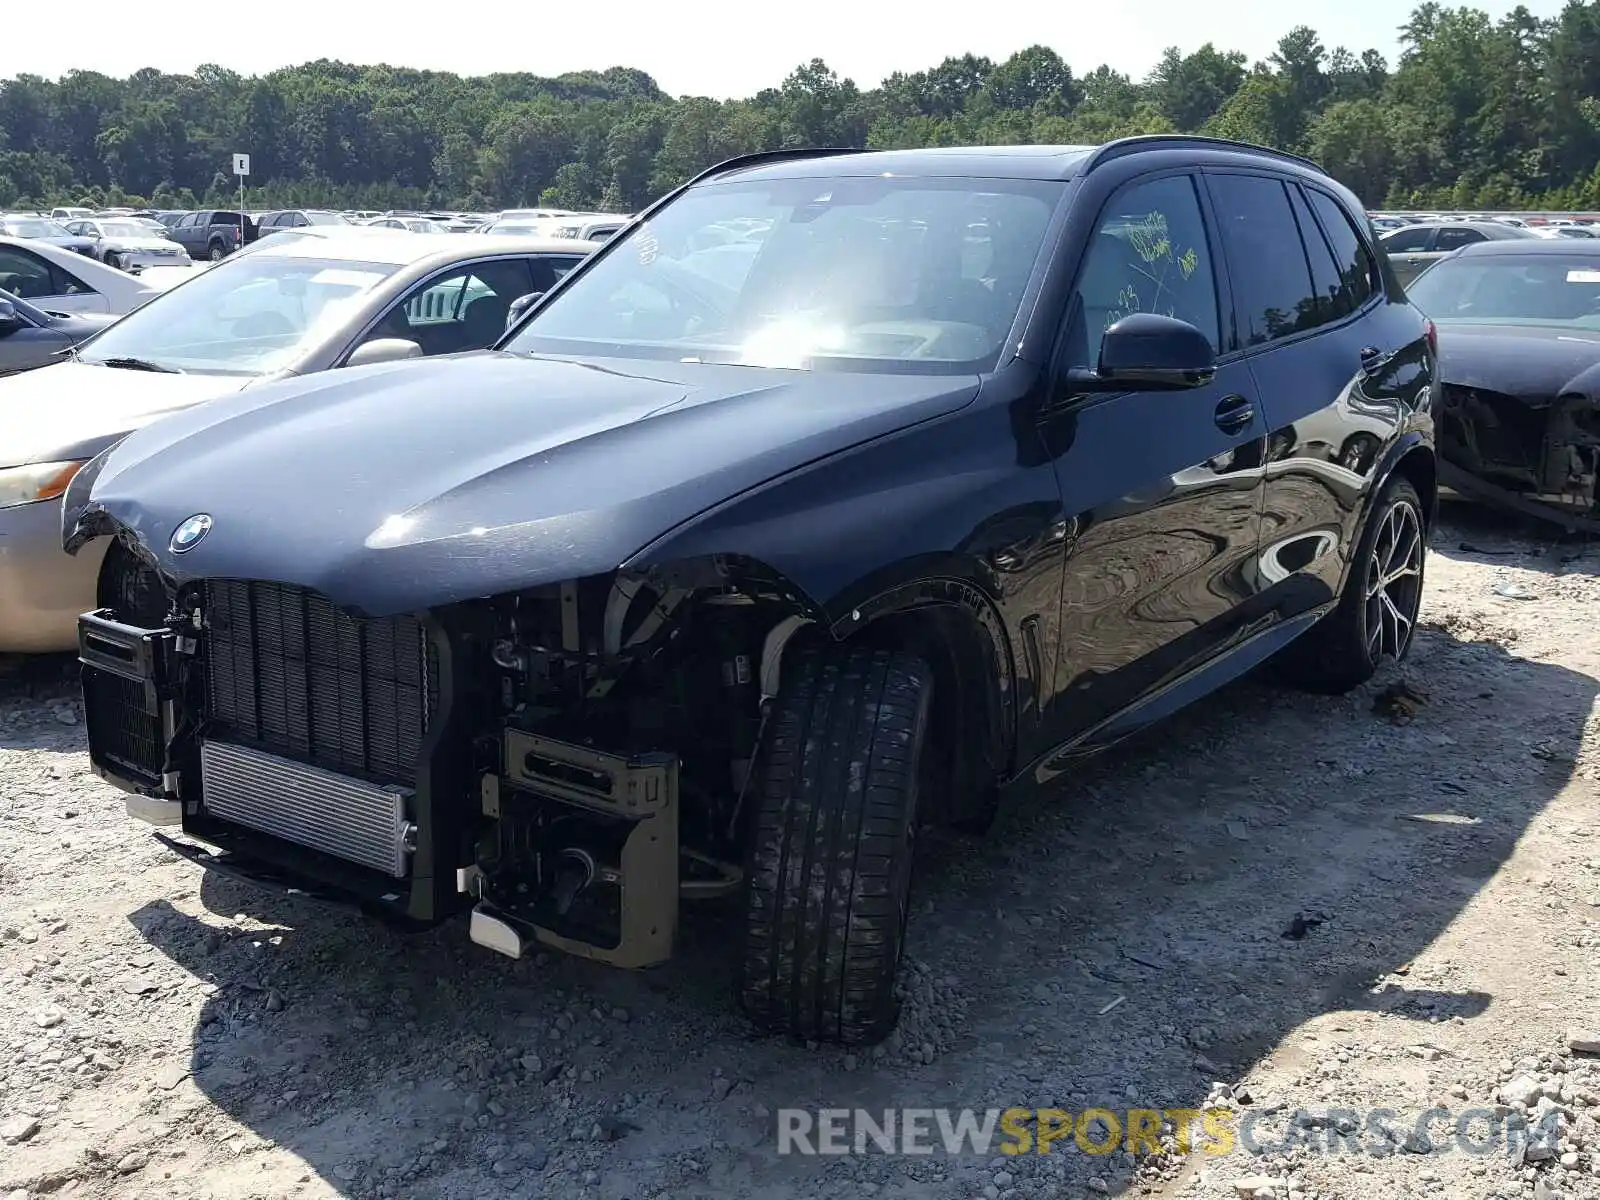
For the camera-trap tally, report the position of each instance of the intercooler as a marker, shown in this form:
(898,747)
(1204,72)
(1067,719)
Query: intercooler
(314,719)
(349,818)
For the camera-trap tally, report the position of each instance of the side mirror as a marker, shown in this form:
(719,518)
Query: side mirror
(10,318)
(1151,352)
(521,305)
(381,350)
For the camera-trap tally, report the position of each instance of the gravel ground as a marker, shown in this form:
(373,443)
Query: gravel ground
(166,1034)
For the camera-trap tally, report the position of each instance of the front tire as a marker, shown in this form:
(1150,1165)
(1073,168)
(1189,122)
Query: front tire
(114,260)
(828,872)
(1376,618)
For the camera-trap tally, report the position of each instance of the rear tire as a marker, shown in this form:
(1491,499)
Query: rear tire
(1374,620)
(217,252)
(828,872)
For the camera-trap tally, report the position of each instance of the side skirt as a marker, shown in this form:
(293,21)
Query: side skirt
(1180,693)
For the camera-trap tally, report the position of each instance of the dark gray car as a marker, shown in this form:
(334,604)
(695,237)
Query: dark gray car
(31,337)
(1416,247)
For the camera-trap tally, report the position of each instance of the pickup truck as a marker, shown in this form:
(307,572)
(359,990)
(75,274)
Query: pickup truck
(214,233)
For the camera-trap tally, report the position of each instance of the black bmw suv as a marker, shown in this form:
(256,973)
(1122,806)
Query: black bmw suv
(840,493)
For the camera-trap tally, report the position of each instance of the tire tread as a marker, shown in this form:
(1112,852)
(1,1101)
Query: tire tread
(830,841)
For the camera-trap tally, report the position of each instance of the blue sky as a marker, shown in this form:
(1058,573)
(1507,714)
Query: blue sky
(701,47)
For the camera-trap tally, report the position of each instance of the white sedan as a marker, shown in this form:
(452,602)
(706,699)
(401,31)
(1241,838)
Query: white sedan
(291,304)
(63,281)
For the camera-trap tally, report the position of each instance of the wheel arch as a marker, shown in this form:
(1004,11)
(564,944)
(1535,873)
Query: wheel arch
(1420,465)
(951,621)
(1413,459)
(957,631)
(940,608)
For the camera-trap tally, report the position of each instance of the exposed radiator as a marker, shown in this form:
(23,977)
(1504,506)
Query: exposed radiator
(349,818)
(287,671)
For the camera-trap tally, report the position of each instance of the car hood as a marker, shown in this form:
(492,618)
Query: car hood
(1532,363)
(78,326)
(74,410)
(404,486)
(153,242)
(71,242)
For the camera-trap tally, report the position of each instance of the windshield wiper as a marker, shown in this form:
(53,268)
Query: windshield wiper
(136,364)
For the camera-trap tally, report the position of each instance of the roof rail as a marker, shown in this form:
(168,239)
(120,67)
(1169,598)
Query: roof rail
(761,157)
(1151,141)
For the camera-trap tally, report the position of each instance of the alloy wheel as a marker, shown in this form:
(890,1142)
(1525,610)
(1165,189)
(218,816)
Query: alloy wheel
(1394,582)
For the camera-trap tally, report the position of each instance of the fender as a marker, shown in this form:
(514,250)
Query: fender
(1409,442)
(934,516)
(980,665)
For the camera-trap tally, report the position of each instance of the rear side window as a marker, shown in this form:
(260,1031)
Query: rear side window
(1408,241)
(1325,281)
(1356,268)
(23,275)
(68,284)
(1454,239)
(548,270)
(1272,288)
(32,278)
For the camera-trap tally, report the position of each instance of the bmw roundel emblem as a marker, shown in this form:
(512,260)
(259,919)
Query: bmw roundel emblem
(187,535)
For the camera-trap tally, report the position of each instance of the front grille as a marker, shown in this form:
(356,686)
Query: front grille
(287,671)
(124,731)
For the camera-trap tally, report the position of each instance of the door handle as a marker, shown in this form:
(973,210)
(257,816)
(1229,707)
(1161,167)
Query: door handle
(1234,414)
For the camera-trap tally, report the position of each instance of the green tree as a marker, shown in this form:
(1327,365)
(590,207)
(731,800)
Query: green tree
(1476,111)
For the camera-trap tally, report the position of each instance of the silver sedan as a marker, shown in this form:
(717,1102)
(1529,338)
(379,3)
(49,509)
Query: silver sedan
(289,307)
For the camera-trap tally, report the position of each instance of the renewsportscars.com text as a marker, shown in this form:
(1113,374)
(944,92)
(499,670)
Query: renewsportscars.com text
(1214,1131)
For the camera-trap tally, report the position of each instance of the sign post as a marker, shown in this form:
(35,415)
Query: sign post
(241,168)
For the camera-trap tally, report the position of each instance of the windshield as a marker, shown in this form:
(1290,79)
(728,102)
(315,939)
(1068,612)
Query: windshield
(321,218)
(250,316)
(34,229)
(116,229)
(918,275)
(1513,290)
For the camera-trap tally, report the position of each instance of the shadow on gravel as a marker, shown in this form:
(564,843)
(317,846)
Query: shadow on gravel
(1121,942)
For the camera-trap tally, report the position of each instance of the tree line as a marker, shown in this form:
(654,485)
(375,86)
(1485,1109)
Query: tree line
(1476,113)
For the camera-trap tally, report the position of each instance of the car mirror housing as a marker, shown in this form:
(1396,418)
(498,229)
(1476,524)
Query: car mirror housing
(381,350)
(1152,352)
(10,318)
(521,305)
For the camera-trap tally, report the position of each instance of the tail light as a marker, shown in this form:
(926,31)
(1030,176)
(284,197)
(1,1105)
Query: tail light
(1432,333)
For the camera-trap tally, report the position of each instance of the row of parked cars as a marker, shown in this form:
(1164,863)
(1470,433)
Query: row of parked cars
(1415,240)
(132,239)
(837,494)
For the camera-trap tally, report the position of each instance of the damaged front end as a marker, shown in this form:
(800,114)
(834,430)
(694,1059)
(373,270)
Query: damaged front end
(1539,457)
(568,762)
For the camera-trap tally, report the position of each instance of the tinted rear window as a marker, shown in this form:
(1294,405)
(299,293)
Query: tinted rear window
(1356,268)
(1272,290)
